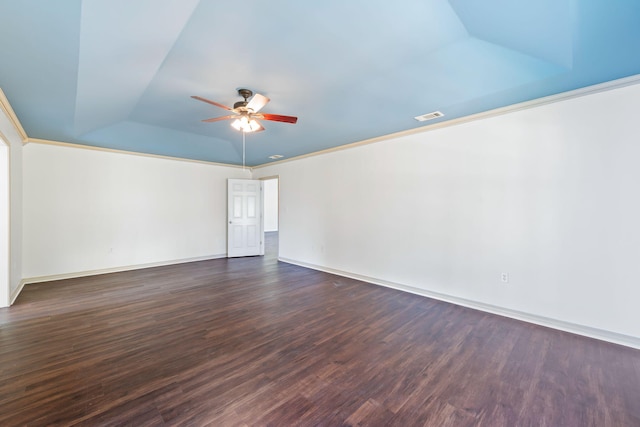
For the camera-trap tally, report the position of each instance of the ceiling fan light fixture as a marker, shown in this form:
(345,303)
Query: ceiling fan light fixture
(253,125)
(236,124)
(245,124)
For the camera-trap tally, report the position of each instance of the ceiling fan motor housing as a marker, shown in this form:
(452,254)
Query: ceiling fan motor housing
(240,104)
(246,94)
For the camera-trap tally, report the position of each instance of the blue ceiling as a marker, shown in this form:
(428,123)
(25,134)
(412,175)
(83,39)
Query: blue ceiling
(120,74)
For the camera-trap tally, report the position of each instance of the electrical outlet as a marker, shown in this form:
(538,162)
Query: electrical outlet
(504,277)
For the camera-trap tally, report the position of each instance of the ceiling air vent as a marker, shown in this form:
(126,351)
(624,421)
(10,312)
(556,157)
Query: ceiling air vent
(429,116)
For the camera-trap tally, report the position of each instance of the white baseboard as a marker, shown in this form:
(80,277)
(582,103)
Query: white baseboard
(87,273)
(16,292)
(587,331)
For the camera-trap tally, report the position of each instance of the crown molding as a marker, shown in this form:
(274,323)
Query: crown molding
(132,153)
(8,110)
(589,90)
(577,93)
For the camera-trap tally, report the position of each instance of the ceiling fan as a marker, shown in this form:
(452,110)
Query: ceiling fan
(246,113)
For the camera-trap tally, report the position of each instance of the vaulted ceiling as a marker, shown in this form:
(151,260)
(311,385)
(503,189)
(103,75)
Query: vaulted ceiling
(120,73)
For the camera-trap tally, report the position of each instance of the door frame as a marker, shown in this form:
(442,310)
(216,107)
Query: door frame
(270,178)
(5,223)
(259,206)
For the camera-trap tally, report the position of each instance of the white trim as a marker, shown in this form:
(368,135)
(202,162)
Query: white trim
(64,276)
(602,87)
(131,153)
(5,299)
(16,292)
(587,331)
(11,115)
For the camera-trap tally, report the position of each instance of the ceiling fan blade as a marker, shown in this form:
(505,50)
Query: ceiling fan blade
(279,118)
(216,119)
(208,101)
(257,102)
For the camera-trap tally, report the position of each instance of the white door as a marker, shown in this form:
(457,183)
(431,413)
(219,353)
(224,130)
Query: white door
(245,228)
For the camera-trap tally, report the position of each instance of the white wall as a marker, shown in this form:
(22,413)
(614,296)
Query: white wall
(270,188)
(548,195)
(89,211)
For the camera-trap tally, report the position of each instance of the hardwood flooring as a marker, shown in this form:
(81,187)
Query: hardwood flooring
(254,342)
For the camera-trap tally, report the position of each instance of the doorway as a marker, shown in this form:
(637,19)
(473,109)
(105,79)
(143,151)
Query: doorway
(271,187)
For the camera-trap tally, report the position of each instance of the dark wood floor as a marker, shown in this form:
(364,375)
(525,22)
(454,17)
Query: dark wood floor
(255,342)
